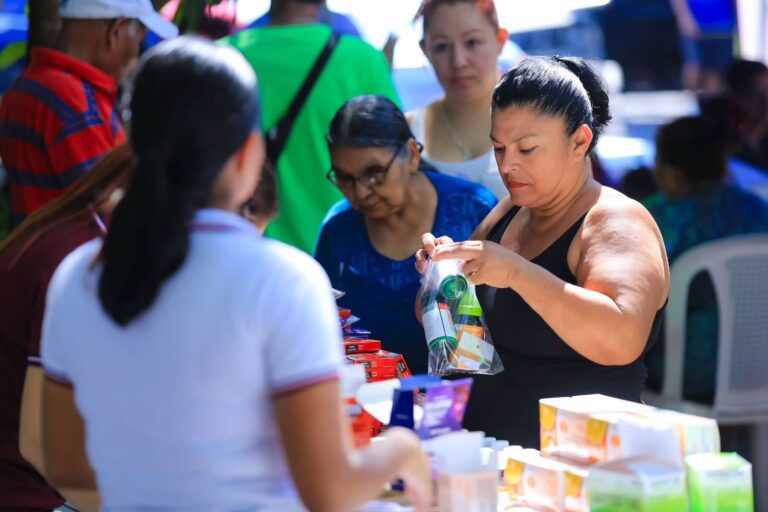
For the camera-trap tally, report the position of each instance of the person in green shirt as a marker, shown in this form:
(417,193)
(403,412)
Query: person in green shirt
(282,55)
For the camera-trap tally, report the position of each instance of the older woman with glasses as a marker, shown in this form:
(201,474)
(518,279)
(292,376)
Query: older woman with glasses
(368,240)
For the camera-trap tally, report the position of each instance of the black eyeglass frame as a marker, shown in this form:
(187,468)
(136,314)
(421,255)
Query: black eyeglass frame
(374,179)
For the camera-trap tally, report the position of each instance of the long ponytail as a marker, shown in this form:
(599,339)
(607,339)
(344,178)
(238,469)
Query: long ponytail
(193,106)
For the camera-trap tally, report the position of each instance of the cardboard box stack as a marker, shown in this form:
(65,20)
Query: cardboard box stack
(361,349)
(608,455)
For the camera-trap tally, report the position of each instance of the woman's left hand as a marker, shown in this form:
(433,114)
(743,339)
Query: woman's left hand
(484,262)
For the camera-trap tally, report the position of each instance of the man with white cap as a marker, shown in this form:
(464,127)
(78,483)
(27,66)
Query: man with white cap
(59,116)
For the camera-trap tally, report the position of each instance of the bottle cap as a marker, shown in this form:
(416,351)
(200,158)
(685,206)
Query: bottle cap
(469,306)
(453,287)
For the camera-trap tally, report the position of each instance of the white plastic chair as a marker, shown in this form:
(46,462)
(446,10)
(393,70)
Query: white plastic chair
(738,267)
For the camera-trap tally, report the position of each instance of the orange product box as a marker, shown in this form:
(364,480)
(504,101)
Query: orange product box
(463,492)
(403,372)
(564,424)
(531,480)
(364,426)
(399,361)
(545,484)
(594,428)
(352,346)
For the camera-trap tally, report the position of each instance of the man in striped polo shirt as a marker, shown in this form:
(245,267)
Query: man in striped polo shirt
(59,116)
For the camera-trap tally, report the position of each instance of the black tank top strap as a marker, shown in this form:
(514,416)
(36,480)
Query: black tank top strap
(555,255)
(497,231)
(559,248)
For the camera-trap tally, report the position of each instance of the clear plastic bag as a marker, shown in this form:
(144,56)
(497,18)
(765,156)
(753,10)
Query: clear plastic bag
(454,326)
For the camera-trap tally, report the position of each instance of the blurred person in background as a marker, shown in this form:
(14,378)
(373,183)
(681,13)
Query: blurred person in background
(368,240)
(264,204)
(747,92)
(696,205)
(59,117)
(462,41)
(214,399)
(707,29)
(28,258)
(338,22)
(283,53)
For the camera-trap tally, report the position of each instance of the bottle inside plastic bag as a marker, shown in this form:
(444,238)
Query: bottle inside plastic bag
(454,327)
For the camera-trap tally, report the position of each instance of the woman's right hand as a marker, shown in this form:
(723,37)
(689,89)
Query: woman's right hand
(428,243)
(417,472)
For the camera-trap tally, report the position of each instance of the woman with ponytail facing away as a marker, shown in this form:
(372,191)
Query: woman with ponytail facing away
(204,359)
(572,276)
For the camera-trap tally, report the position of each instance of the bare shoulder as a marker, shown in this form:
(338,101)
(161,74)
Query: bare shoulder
(620,243)
(494,217)
(423,110)
(614,213)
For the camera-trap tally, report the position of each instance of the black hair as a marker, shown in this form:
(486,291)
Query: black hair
(369,121)
(695,148)
(563,87)
(193,105)
(265,201)
(741,76)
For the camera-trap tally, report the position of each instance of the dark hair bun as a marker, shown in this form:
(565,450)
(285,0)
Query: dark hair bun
(595,87)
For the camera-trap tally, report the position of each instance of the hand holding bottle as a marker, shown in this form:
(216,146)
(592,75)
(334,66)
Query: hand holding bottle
(429,242)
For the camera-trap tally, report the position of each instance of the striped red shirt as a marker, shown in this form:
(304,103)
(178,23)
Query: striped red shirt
(55,121)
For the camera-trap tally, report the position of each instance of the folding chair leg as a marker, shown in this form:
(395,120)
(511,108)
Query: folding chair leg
(760,465)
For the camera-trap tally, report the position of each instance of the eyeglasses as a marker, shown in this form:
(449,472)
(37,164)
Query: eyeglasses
(373,176)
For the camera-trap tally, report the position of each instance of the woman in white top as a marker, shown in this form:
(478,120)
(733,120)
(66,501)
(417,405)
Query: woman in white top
(462,41)
(202,358)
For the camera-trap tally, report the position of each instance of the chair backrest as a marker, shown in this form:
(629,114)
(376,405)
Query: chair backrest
(738,267)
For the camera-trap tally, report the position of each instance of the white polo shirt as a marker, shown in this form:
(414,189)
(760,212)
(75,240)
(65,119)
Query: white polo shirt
(178,404)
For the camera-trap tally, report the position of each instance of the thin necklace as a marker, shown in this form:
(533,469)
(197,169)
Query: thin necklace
(464,151)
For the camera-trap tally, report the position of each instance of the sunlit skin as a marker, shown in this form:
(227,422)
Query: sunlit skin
(540,164)
(463,47)
(617,256)
(110,45)
(401,208)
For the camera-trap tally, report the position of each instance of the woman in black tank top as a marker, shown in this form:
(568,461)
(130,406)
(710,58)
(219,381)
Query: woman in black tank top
(572,276)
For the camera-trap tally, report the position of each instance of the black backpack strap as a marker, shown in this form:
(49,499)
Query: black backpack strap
(277,137)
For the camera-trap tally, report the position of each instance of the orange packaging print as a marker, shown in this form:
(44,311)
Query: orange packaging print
(534,481)
(471,492)
(576,494)
(564,425)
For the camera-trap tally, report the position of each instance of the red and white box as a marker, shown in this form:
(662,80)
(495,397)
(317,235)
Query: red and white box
(352,346)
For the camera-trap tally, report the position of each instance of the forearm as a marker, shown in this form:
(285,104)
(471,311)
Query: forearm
(63,434)
(82,500)
(30,428)
(372,468)
(329,474)
(590,322)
